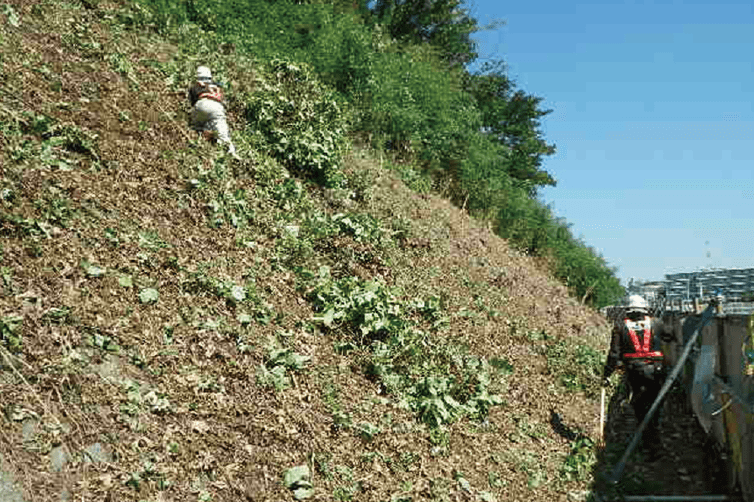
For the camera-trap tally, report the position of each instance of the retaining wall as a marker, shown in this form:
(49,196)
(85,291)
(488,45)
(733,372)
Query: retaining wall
(719,379)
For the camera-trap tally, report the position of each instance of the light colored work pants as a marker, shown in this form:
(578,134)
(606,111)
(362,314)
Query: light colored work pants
(209,115)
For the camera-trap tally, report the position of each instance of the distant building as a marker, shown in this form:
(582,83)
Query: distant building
(651,291)
(734,284)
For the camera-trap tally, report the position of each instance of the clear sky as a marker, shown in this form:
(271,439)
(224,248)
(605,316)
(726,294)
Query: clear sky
(653,121)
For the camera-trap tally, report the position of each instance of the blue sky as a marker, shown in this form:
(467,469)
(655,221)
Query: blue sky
(653,120)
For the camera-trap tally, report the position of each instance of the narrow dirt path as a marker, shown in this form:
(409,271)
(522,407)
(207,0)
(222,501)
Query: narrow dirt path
(690,463)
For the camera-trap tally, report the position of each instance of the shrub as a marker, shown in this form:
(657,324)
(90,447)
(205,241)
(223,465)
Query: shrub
(299,121)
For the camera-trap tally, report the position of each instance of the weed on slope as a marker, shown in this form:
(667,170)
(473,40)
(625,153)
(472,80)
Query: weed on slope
(177,325)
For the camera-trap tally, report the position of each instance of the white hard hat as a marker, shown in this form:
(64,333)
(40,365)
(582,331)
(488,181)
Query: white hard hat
(203,73)
(636,302)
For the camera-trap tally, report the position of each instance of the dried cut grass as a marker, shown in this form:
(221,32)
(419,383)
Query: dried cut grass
(225,435)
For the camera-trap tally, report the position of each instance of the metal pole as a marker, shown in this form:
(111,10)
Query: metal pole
(602,416)
(709,312)
(675,498)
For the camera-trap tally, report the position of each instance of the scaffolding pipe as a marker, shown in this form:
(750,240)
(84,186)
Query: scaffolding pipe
(708,313)
(675,498)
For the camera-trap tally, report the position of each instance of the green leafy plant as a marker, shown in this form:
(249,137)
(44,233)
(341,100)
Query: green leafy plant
(230,207)
(149,295)
(441,385)
(92,270)
(577,366)
(55,208)
(272,373)
(10,331)
(151,241)
(11,15)
(140,398)
(579,464)
(232,292)
(104,342)
(299,120)
(298,480)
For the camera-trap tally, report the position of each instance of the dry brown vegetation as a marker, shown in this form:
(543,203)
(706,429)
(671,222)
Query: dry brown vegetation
(169,388)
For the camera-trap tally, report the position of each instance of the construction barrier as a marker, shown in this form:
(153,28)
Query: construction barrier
(719,379)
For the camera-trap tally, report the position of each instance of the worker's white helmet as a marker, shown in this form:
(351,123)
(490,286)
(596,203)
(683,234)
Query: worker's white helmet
(203,73)
(636,302)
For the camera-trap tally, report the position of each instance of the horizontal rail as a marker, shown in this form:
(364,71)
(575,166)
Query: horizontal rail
(675,498)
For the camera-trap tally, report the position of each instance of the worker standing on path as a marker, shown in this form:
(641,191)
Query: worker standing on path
(635,344)
(208,113)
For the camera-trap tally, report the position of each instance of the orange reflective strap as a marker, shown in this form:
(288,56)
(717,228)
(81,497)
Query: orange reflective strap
(215,95)
(642,347)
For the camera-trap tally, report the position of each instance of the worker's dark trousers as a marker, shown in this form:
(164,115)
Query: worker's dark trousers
(646,382)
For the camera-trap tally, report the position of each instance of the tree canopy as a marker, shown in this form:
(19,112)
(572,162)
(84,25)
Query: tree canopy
(443,24)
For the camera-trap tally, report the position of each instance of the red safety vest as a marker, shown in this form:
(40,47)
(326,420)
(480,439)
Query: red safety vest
(213,92)
(642,348)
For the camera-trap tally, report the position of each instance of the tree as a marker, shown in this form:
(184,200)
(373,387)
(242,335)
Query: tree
(512,118)
(443,24)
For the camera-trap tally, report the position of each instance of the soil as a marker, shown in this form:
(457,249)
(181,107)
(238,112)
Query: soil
(688,463)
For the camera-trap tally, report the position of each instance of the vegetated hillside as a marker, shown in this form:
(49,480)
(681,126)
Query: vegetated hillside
(179,326)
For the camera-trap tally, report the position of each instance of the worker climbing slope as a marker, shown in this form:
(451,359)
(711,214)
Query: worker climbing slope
(208,113)
(635,345)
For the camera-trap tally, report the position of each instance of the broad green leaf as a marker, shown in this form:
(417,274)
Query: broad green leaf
(238,293)
(278,355)
(93,270)
(296,361)
(297,477)
(464,484)
(328,318)
(126,281)
(11,15)
(302,493)
(149,295)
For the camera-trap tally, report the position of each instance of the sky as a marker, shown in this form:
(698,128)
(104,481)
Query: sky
(652,118)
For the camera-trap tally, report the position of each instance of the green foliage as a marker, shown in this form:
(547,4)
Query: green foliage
(366,309)
(300,121)
(230,207)
(511,118)
(272,373)
(475,135)
(438,382)
(577,367)
(149,295)
(140,399)
(298,480)
(414,177)
(55,208)
(579,464)
(37,141)
(92,270)
(104,342)
(233,293)
(11,15)
(443,24)
(417,109)
(10,331)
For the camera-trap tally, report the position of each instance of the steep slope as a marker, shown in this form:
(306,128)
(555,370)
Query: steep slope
(164,310)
